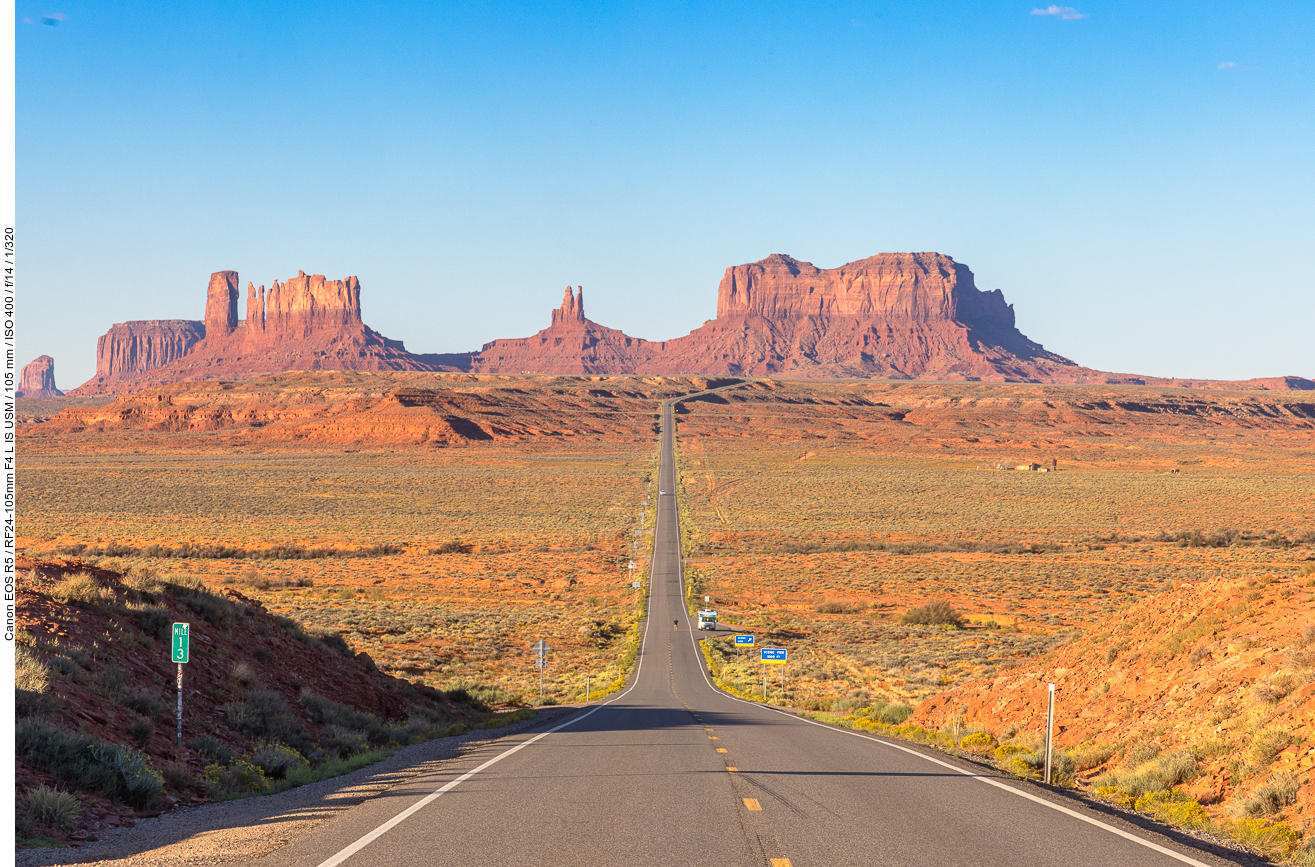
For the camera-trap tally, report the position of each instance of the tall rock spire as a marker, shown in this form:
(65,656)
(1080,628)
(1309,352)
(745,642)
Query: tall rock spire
(221,304)
(572,309)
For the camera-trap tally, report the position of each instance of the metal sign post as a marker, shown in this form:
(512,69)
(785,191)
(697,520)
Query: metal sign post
(540,661)
(1050,730)
(181,648)
(773,656)
(586,689)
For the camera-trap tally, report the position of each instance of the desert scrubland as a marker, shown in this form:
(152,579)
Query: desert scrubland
(442,523)
(1162,578)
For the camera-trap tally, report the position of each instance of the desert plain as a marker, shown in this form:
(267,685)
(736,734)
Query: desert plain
(444,522)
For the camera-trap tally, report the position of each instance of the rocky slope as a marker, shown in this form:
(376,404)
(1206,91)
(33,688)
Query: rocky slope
(305,323)
(38,379)
(94,668)
(1222,669)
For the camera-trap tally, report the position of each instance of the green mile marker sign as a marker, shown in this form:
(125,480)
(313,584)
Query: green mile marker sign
(182,640)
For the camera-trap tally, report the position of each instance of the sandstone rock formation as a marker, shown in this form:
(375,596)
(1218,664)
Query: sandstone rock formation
(896,315)
(890,316)
(129,349)
(571,344)
(304,323)
(38,379)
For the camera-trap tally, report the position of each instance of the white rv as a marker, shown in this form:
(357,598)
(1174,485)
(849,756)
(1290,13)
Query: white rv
(707,619)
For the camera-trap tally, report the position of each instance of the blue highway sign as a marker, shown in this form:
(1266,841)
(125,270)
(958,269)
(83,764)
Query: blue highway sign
(744,639)
(773,655)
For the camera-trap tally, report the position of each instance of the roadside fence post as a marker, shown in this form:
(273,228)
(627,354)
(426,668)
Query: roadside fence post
(1050,730)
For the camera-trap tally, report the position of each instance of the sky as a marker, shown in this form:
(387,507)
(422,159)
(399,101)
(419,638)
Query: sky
(1138,179)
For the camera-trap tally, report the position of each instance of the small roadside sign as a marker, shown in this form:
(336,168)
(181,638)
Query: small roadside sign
(634,584)
(773,655)
(541,648)
(181,642)
(744,639)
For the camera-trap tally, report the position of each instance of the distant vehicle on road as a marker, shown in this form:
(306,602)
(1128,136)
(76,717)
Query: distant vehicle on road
(707,619)
(662,492)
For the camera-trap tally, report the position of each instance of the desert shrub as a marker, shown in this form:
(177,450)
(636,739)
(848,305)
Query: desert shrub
(155,620)
(892,714)
(1274,689)
(938,612)
(1273,840)
(199,599)
(148,703)
(485,695)
(211,750)
(277,760)
(839,608)
(88,763)
(334,641)
(979,742)
(326,711)
(1268,799)
(245,675)
(264,715)
(109,682)
(30,673)
(1140,775)
(142,580)
(1267,745)
(32,704)
(1088,757)
(342,742)
(452,546)
(1005,751)
(237,778)
(140,731)
(83,590)
(1174,808)
(50,807)
(177,775)
(262,653)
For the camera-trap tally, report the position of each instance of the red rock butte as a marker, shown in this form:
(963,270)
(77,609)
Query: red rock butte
(304,323)
(889,316)
(38,379)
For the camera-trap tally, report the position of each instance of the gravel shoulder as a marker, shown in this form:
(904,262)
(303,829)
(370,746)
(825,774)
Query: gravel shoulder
(246,830)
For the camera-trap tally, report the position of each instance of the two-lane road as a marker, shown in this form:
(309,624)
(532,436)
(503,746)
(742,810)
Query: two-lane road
(673,772)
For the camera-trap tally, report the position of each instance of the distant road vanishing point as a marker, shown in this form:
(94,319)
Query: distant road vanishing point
(672,771)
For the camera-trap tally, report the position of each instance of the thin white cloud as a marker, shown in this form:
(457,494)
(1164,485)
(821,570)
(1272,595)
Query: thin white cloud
(1065,13)
(1228,64)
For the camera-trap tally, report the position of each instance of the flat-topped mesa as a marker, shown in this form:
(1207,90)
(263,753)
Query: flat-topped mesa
(38,379)
(922,287)
(572,309)
(132,348)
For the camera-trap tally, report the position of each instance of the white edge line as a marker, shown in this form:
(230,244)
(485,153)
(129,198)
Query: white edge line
(979,777)
(401,817)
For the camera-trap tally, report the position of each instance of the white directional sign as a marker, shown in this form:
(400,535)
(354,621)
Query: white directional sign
(541,648)
(634,584)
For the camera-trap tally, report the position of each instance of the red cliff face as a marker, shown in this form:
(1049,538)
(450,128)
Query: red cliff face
(129,349)
(38,379)
(305,323)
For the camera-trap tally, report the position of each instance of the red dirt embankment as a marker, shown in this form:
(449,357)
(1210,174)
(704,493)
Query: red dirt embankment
(94,664)
(1225,669)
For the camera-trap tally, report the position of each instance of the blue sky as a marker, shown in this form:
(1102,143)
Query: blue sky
(1138,179)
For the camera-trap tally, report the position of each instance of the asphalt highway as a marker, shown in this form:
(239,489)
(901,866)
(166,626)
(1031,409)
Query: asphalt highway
(673,772)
